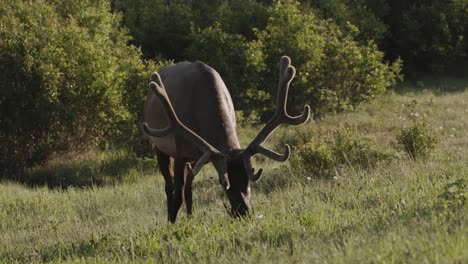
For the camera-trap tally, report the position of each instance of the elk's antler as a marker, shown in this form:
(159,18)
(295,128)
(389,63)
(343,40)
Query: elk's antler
(178,128)
(280,116)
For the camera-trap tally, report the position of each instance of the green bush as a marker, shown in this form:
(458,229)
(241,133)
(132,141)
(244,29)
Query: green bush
(244,40)
(366,15)
(334,72)
(455,195)
(315,159)
(323,154)
(67,79)
(429,35)
(417,141)
(351,148)
(167,28)
(238,61)
(290,32)
(351,73)
(235,16)
(159,28)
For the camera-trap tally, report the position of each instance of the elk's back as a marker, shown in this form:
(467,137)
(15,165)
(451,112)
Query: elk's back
(202,103)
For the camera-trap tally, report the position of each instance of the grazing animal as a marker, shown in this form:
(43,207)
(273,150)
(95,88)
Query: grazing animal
(190,118)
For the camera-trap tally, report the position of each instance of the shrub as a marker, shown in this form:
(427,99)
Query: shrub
(417,141)
(301,136)
(353,149)
(238,61)
(365,14)
(159,28)
(429,35)
(334,72)
(244,40)
(314,159)
(289,32)
(323,154)
(167,28)
(454,195)
(247,120)
(67,79)
(351,73)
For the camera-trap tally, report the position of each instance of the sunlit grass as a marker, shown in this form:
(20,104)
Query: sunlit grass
(395,212)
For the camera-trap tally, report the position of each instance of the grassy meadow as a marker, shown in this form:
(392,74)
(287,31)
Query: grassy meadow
(110,206)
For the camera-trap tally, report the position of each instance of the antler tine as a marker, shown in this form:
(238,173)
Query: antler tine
(251,171)
(157,132)
(199,164)
(287,73)
(155,77)
(154,86)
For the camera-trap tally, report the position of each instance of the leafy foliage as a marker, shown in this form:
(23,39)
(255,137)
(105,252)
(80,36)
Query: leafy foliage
(160,29)
(335,73)
(429,36)
(315,159)
(67,77)
(417,141)
(244,40)
(167,28)
(237,60)
(455,194)
(323,154)
(351,148)
(405,211)
(364,14)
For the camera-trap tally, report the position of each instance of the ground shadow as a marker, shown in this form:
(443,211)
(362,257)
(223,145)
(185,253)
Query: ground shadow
(435,84)
(87,173)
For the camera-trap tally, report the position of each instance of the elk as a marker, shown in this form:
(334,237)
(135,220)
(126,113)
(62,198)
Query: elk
(189,117)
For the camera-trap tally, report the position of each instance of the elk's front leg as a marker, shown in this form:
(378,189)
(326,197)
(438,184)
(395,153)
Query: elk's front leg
(188,192)
(164,162)
(179,180)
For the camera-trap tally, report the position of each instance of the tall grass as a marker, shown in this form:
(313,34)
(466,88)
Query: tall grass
(403,211)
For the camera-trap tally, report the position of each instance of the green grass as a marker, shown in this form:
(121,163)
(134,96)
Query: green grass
(398,212)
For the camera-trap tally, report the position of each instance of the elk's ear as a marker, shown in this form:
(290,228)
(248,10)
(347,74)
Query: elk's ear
(253,177)
(220,165)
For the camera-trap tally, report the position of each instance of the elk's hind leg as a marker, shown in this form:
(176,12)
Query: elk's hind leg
(165,167)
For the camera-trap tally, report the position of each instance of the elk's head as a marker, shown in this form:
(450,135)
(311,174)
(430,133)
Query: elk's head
(234,168)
